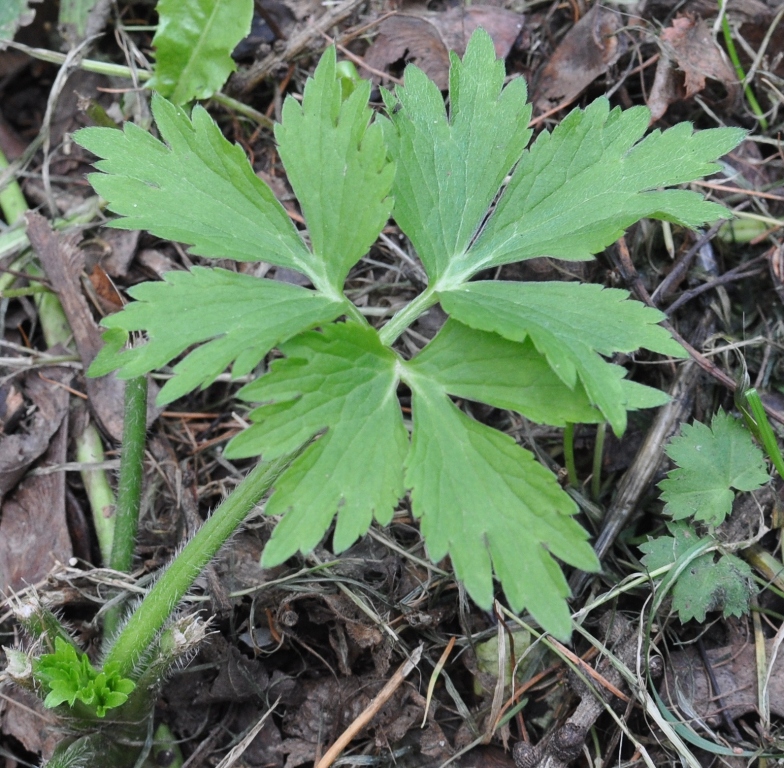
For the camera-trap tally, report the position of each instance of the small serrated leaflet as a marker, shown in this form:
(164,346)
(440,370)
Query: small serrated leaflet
(712,461)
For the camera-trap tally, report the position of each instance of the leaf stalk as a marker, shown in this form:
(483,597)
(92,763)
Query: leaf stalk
(147,621)
(406,316)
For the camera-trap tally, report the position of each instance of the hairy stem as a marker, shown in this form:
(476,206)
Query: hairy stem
(568,443)
(145,623)
(129,490)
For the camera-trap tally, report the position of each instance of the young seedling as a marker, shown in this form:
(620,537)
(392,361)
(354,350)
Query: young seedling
(536,348)
(712,463)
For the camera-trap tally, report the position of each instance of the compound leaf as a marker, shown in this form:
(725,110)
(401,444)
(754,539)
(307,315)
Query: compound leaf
(581,186)
(505,374)
(449,169)
(196,188)
(572,325)
(336,163)
(342,382)
(489,505)
(236,318)
(706,584)
(711,462)
(194,42)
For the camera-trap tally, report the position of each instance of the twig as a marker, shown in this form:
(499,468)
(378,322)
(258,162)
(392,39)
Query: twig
(371,710)
(728,277)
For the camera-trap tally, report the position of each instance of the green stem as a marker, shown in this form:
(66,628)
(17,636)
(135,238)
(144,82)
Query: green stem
(145,623)
(598,452)
(129,489)
(12,201)
(390,332)
(764,430)
(31,290)
(89,450)
(568,443)
(117,70)
(741,75)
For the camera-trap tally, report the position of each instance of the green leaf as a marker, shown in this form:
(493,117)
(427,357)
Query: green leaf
(197,188)
(336,163)
(505,374)
(709,585)
(581,186)
(706,584)
(68,676)
(572,324)
(193,46)
(489,505)
(14,14)
(239,318)
(665,550)
(73,16)
(712,461)
(341,382)
(449,169)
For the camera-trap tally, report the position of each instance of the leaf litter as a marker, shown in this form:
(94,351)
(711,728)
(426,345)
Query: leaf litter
(308,631)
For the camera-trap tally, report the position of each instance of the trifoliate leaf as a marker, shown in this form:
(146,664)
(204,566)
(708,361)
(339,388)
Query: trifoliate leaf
(712,461)
(491,369)
(240,317)
(581,186)
(706,584)
(193,46)
(337,166)
(196,188)
(489,505)
(342,381)
(449,169)
(572,325)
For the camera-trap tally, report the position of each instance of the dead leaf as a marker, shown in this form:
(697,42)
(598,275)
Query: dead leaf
(105,293)
(589,49)
(19,450)
(34,526)
(121,244)
(735,669)
(689,44)
(24,717)
(239,679)
(63,263)
(426,39)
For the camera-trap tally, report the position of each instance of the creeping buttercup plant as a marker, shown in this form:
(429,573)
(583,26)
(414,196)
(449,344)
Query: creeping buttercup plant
(468,193)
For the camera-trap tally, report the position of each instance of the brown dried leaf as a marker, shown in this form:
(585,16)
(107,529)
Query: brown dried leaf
(690,44)
(63,263)
(20,450)
(24,717)
(589,49)
(34,527)
(426,39)
(735,669)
